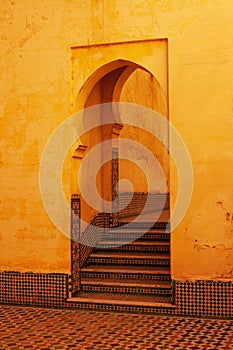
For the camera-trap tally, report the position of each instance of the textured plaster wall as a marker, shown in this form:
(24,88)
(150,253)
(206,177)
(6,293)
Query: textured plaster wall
(38,93)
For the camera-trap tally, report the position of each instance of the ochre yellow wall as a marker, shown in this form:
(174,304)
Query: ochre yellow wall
(41,79)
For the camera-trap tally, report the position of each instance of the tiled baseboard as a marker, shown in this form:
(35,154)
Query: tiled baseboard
(199,298)
(43,289)
(204,298)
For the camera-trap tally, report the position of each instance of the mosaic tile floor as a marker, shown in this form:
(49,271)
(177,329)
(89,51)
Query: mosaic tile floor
(47,329)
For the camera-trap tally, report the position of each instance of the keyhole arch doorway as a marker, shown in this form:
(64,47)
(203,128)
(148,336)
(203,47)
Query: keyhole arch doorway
(119,81)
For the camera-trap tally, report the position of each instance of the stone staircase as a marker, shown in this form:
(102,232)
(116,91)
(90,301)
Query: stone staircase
(129,270)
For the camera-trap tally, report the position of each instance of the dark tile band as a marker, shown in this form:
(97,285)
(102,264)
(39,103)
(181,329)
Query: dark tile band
(199,298)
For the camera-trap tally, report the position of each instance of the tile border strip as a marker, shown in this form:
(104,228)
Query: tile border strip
(199,298)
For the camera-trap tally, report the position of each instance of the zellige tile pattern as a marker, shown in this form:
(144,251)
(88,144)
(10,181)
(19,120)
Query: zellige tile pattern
(38,328)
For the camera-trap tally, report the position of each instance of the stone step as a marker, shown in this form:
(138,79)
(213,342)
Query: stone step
(122,302)
(129,270)
(130,236)
(150,287)
(163,224)
(140,246)
(165,237)
(126,272)
(132,230)
(132,258)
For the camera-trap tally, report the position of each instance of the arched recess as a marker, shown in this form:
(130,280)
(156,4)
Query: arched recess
(119,81)
(116,81)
